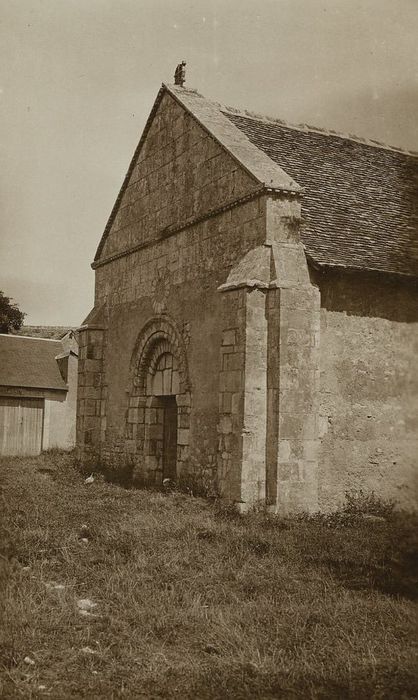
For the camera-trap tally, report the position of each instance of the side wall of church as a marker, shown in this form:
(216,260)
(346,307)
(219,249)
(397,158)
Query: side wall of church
(368,422)
(174,276)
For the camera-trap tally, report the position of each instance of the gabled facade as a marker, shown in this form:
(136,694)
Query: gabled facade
(255,321)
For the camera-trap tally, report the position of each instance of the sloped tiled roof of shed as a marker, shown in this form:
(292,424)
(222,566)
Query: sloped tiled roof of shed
(30,362)
(53,332)
(360,202)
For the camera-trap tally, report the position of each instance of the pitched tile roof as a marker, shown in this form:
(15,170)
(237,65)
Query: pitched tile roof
(30,362)
(54,332)
(360,201)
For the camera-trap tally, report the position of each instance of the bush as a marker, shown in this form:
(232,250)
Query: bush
(224,510)
(362,503)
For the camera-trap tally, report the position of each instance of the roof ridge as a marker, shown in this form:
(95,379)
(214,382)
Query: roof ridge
(302,126)
(29,337)
(307,128)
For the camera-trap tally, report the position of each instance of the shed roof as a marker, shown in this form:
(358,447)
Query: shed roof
(52,332)
(30,362)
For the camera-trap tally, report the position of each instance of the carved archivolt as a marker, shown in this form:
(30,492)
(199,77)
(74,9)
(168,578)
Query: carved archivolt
(158,337)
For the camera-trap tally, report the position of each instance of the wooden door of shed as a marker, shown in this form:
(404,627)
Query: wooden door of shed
(21,425)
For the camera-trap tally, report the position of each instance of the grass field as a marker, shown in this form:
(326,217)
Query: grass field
(193,601)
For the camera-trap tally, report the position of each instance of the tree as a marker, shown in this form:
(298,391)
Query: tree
(11,317)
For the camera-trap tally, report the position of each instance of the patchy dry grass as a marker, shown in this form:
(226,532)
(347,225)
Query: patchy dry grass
(194,602)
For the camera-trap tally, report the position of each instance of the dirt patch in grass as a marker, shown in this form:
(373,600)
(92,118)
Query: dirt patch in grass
(191,601)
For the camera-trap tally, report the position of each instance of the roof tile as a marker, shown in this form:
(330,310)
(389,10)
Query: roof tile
(30,362)
(360,203)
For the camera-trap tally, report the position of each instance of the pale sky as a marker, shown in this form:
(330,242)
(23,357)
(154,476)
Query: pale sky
(79,77)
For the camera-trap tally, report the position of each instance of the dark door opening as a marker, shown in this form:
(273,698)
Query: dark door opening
(169,437)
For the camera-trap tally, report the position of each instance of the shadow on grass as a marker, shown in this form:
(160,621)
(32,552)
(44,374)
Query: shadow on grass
(366,545)
(379,556)
(245,681)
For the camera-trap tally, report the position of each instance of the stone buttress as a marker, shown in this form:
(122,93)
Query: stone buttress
(91,393)
(269,373)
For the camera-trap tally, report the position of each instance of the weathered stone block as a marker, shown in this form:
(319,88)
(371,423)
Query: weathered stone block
(225,402)
(232,361)
(225,424)
(182,436)
(236,400)
(228,337)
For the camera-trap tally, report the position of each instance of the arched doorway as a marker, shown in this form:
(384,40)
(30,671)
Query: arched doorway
(158,416)
(163,387)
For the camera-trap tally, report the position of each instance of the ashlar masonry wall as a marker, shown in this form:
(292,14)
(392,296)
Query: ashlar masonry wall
(180,174)
(190,212)
(269,380)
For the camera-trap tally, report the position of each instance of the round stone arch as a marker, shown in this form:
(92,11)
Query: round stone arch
(159,403)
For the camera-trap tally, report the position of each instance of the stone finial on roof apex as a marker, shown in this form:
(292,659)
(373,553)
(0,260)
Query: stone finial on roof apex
(180,74)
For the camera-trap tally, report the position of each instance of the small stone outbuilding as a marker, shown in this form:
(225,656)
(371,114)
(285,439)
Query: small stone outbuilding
(38,393)
(255,325)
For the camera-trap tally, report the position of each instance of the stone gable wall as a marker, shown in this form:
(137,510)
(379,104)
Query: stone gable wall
(174,276)
(181,173)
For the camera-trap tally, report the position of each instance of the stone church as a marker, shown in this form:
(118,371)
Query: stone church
(255,324)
